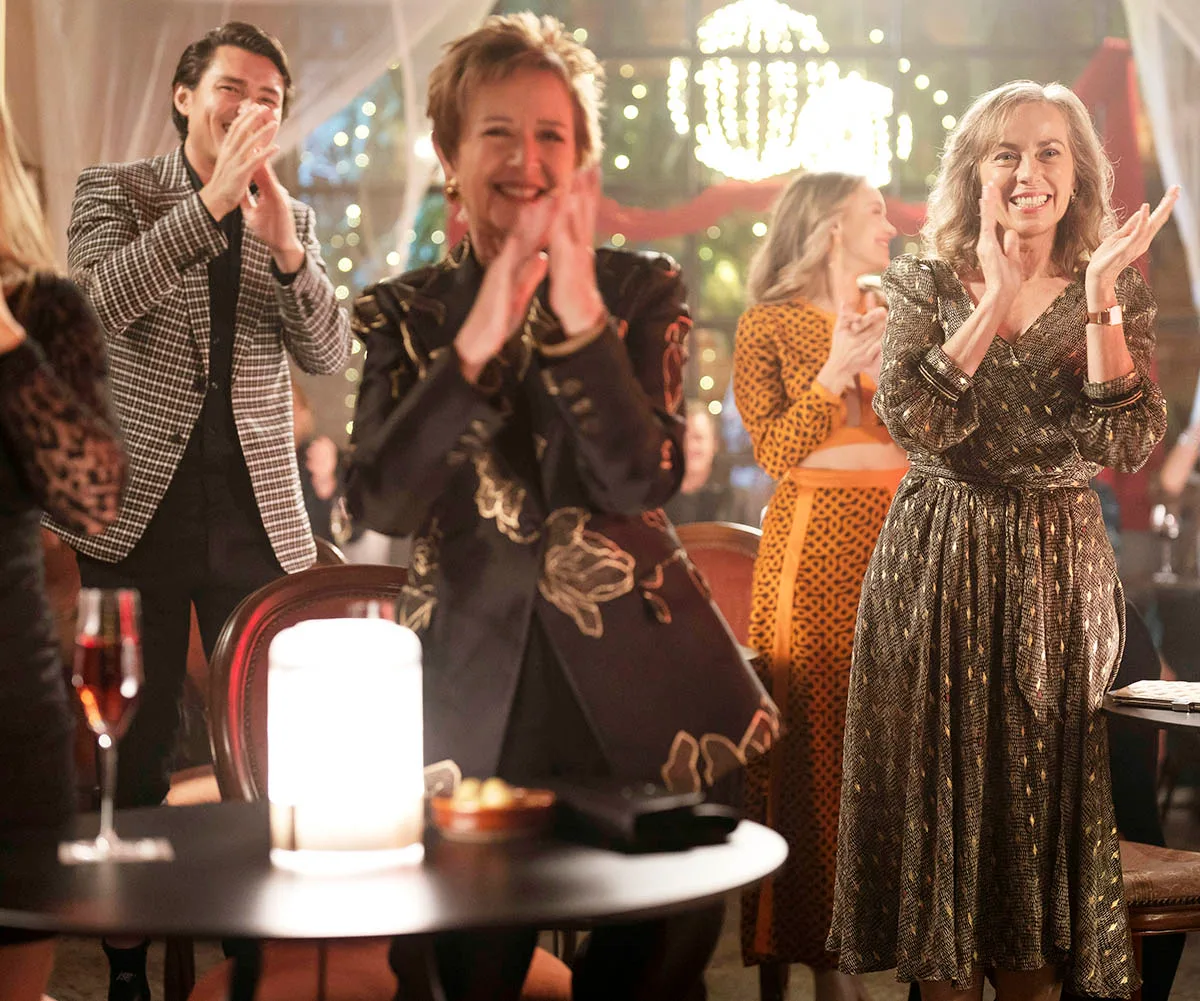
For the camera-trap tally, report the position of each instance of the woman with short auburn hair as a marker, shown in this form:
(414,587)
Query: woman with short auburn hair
(977,831)
(521,413)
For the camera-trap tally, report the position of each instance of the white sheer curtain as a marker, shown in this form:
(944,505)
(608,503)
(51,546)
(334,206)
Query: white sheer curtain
(1166,47)
(105,68)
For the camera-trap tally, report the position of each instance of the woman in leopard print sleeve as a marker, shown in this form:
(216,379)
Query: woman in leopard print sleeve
(59,452)
(801,383)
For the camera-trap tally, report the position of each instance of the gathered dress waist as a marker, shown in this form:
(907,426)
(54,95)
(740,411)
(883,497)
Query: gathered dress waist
(982,482)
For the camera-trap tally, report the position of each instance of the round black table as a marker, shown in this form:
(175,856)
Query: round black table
(223,885)
(1167,719)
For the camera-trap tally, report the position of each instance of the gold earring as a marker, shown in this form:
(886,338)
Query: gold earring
(451,189)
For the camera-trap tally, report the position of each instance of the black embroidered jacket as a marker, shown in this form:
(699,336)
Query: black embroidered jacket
(539,491)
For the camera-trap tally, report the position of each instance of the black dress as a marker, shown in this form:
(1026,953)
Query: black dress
(59,452)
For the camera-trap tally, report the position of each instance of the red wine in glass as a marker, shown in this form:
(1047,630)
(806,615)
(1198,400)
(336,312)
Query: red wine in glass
(107,690)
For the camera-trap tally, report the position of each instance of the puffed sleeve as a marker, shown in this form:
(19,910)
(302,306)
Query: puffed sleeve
(55,411)
(783,428)
(926,401)
(414,419)
(1118,423)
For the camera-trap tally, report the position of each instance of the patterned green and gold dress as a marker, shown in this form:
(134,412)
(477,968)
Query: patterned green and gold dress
(976,822)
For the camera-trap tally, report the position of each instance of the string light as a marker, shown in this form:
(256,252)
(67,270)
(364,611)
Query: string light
(949,122)
(904,65)
(677,80)
(345,264)
(361,160)
(708,355)
(351,239)
(437,237)
(353,211)
(921,81)
(940,97)
(369,108)
(876,36)
(580,35)
(904,137)
(393,259)
(759,228)
(362,131)
(621,161)
(705,253)
(340,139)
(627,70)
(713,232)
(630,111)
(638,91)
(706,382)
(341,292)
(715,408)
(617,239)
(423,147)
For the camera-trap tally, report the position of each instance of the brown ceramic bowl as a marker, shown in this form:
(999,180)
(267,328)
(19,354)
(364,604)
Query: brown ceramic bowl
(528,815)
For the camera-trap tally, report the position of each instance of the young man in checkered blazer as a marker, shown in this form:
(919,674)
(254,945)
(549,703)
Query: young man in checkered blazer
(207,276)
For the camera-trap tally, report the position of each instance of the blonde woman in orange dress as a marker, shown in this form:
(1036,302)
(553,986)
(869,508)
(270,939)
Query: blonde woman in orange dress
(804,353)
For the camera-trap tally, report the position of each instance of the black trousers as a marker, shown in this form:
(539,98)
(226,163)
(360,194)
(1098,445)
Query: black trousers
(548,736)
(193,552)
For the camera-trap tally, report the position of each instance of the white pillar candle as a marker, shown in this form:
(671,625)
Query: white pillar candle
(345,744)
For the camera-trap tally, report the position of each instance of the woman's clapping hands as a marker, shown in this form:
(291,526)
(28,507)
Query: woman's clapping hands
(554,237)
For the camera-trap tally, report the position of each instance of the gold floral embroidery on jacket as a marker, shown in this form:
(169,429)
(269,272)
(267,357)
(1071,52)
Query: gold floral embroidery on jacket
(650,584)
(499,499)
(418,597)
(582,569)
(694,763)
(656,518)
(672,363)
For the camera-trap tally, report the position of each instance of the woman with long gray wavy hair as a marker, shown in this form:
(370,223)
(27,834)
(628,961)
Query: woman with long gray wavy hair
(977,829)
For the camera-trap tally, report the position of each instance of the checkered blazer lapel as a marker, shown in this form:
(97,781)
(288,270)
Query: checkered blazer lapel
(176,186)
(254,292)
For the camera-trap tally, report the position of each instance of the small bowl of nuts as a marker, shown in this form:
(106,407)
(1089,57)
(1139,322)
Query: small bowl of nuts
(492,810)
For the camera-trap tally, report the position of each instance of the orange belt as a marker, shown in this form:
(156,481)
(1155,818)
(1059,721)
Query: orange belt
(808,481)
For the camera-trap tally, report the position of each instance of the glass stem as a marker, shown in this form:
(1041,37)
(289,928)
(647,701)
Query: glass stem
(108,786)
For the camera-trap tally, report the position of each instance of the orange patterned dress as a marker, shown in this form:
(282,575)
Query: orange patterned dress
(818,536)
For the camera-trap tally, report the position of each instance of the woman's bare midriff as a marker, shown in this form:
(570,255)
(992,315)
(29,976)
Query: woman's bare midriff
(857,456)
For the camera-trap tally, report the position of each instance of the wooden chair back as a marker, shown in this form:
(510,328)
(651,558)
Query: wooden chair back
(725,554)
(238,670)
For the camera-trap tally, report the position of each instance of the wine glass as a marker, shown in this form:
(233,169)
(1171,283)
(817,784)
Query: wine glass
(107,678)
(1166,527)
